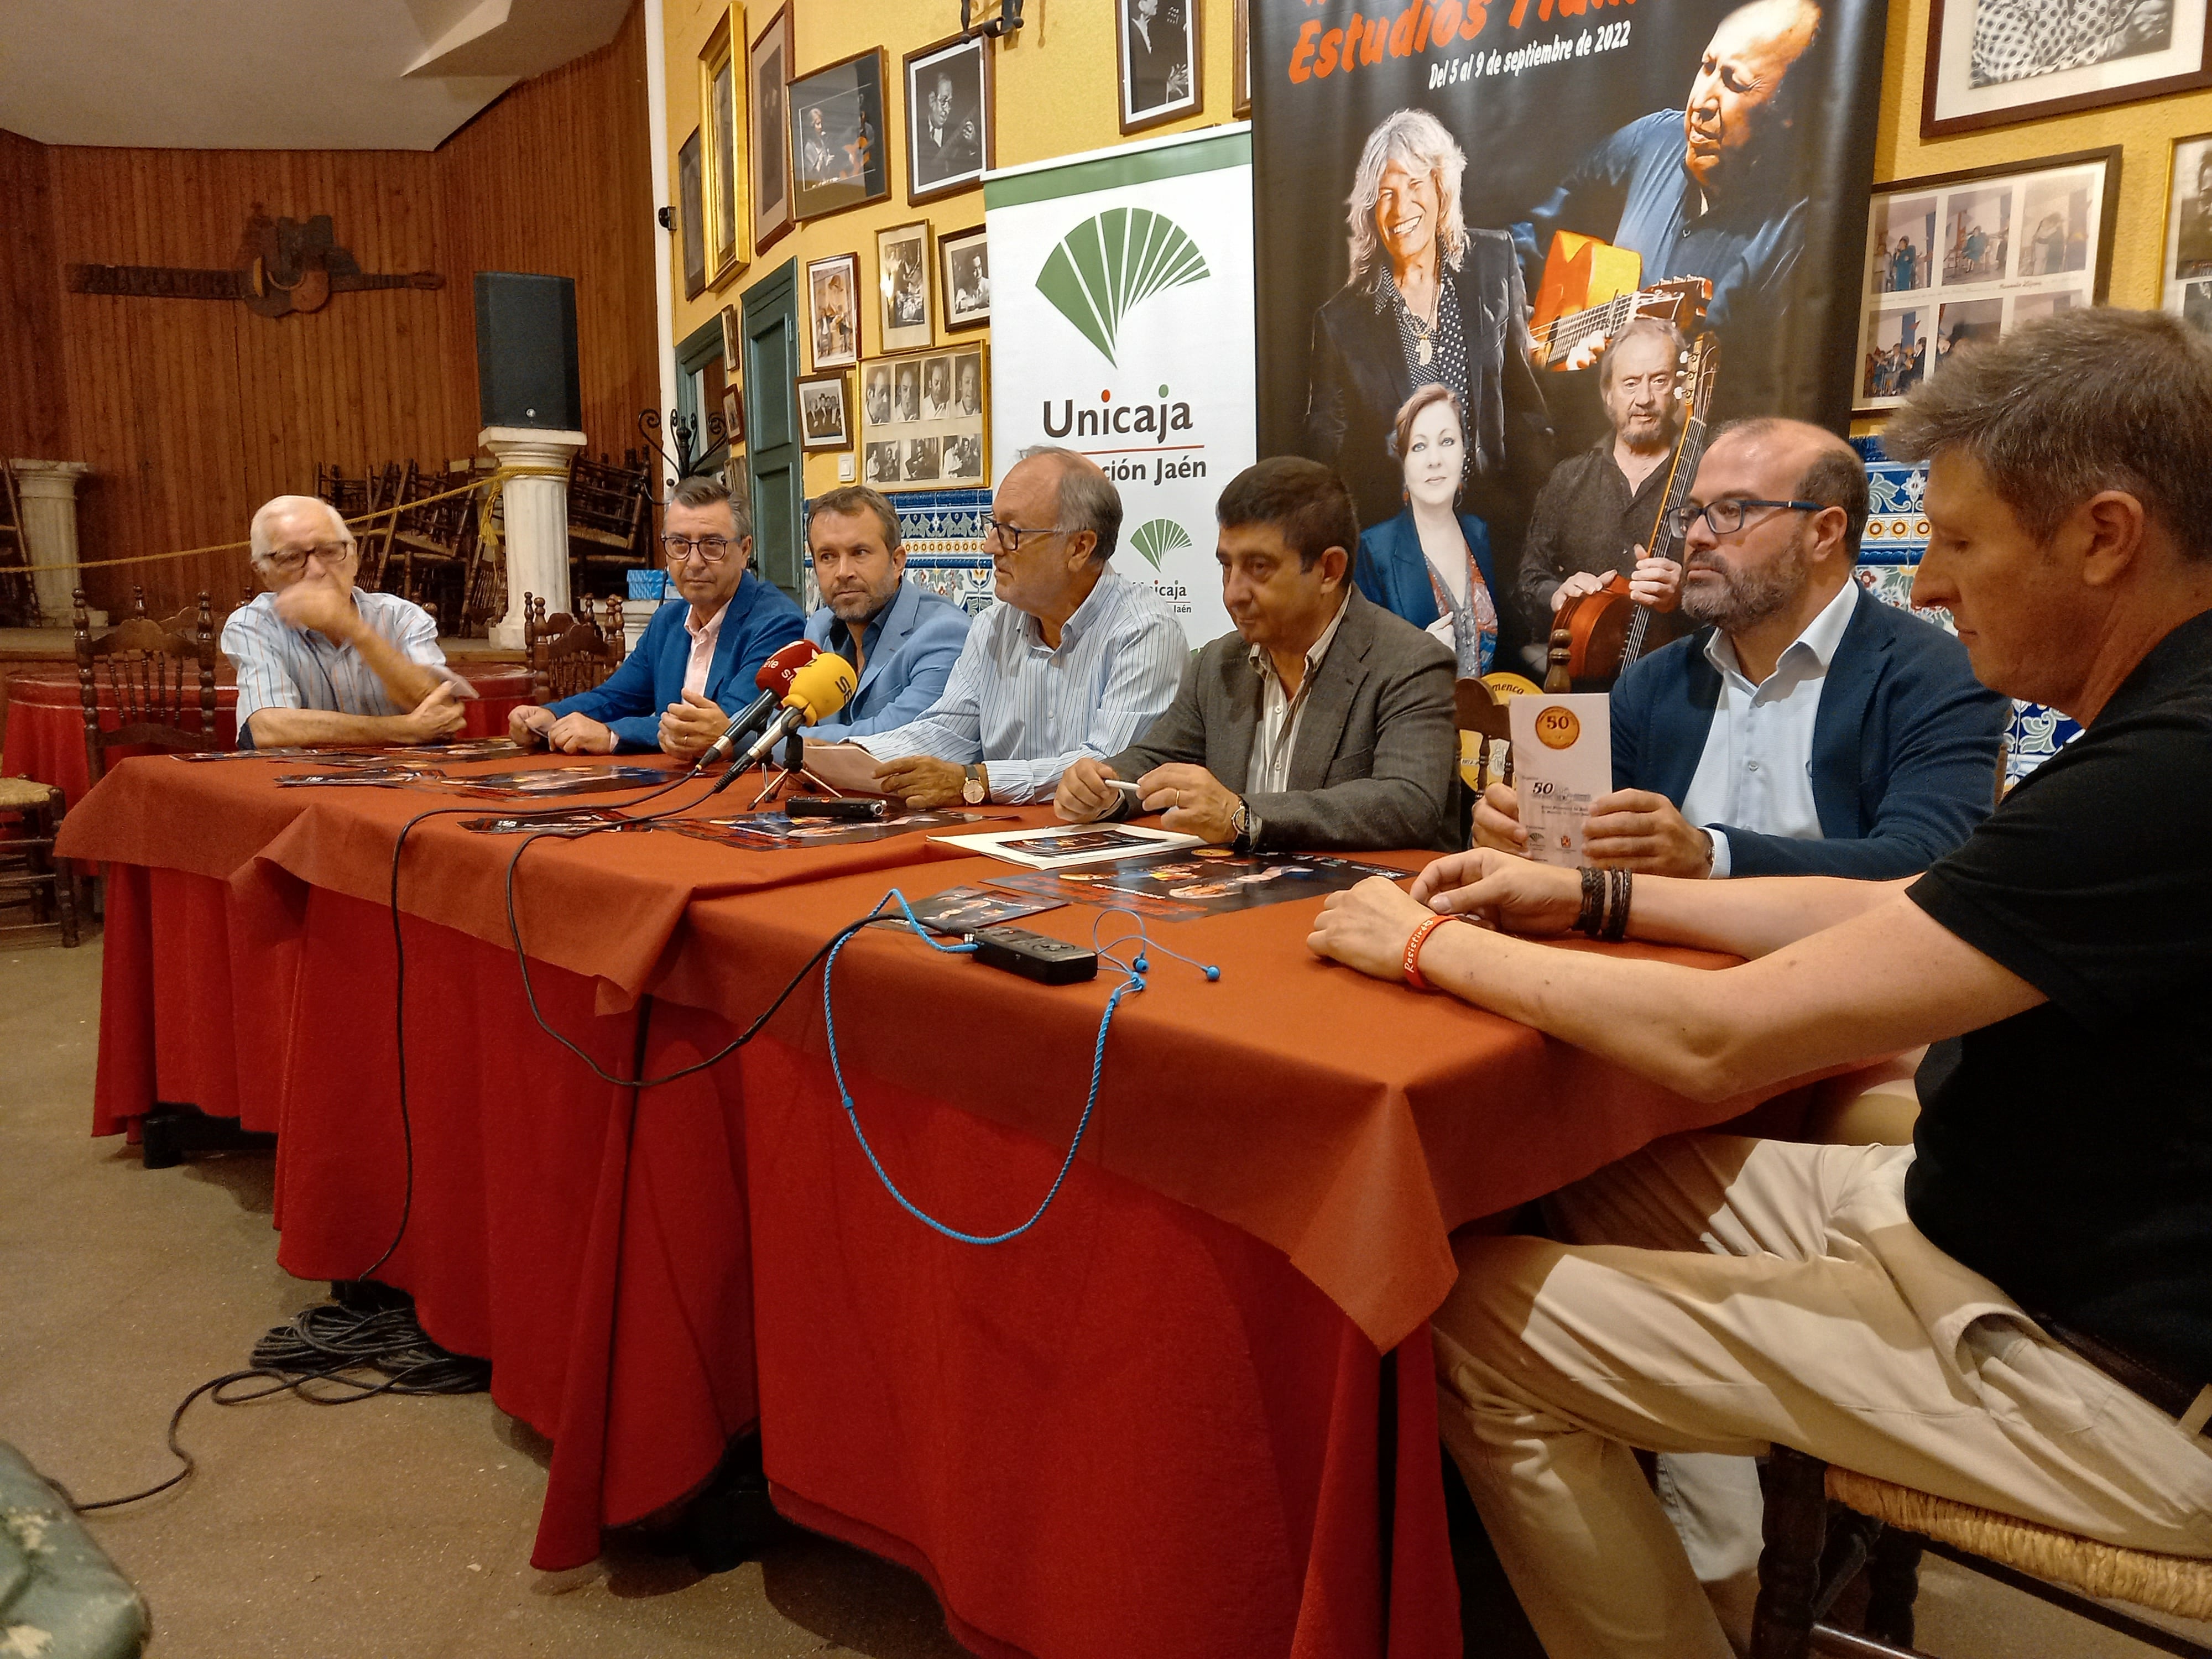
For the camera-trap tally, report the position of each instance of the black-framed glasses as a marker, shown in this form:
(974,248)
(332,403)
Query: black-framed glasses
(332,554)
(1010,539)
(713,549)
(1725,518)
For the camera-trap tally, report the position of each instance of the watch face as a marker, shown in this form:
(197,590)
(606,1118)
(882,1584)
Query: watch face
(972,792)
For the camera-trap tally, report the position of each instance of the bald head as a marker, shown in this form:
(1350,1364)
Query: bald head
(1736,102)
(302,538)
(1086,497)
(1820,466)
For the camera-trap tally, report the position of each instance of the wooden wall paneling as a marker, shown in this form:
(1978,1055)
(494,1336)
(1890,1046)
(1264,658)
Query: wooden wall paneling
(34,406)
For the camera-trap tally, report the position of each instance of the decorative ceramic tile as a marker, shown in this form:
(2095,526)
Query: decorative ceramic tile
(943,530)
(1897,526)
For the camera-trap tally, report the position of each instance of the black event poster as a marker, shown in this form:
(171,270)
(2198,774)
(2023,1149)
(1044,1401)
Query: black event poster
(1711,139)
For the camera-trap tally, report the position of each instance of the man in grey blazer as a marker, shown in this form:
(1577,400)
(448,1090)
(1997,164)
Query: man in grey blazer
(1323,722)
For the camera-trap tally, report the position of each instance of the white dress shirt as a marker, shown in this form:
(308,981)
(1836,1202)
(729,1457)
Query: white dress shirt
(1281,713)
(1757,769)
(1028,710)
(280,666)
(701,662)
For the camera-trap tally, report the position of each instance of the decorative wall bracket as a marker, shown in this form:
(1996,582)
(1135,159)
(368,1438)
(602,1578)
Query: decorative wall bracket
(684,432)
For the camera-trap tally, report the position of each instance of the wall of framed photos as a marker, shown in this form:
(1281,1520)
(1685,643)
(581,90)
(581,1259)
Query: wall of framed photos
(1053,91)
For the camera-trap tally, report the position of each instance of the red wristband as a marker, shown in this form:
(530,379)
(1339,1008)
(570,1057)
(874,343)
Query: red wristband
(1412,964)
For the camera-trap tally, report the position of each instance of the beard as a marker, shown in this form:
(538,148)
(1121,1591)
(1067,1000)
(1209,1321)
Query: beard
(1747,598)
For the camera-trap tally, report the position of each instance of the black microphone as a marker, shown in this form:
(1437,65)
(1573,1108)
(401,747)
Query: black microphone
(775,682)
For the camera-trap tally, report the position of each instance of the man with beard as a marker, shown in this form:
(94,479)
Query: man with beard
(1807,728)
(1596,511)
(901,638)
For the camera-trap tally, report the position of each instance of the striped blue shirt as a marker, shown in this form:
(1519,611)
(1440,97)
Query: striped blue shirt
(1028,710)
(280,666)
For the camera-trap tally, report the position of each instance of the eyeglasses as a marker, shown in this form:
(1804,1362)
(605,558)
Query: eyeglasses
(1726,517)
(713,549)
(332,554)
(1010,539)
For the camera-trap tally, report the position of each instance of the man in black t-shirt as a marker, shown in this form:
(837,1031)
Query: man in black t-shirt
(2017,1311)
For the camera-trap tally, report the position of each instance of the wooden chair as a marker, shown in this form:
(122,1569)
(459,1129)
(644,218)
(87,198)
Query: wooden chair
(435,542)
(609,518)
(160,684)
(19,594)
(1888,1529)
(568,653)
(349,497)
(383,488)
(1480,712)
(30,874)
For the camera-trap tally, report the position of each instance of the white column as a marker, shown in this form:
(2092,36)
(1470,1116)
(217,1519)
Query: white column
(536,514)
(48,489)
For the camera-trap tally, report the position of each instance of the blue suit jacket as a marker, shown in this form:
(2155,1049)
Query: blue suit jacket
(759,622)
(1905,746)
(919,641)
(1393,572)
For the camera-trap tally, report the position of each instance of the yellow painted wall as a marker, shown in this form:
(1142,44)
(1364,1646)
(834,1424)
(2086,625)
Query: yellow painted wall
(1054,94)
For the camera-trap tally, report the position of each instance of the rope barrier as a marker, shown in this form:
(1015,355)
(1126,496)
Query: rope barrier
(492,484)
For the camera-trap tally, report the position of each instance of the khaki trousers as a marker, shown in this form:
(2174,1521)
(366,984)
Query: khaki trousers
(1721,1295)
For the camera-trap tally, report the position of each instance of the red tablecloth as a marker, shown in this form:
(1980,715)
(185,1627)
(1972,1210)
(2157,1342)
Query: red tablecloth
(45,722)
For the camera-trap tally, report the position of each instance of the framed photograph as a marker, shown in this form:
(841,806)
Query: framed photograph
(1993,63)
(733,337)
(734,416)
(964,262)
(721,124)
(833,310)
(925,420)
(2185,275)
(1966,256)
(1159,46)
(837,137)
(767,68)
(903,287)
(824,421)
(948,118)
(690,212)
(1240,57)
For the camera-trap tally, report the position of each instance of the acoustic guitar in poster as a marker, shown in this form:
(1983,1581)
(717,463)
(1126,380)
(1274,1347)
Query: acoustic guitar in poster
(1591,290)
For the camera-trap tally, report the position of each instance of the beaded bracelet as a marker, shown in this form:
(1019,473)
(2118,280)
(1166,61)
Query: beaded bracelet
(1413,951)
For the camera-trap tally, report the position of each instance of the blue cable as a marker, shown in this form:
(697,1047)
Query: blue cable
(1135,982)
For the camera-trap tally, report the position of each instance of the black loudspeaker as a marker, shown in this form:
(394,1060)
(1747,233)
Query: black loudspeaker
(526,351)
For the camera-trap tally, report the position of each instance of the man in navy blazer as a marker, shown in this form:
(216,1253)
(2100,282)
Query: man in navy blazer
(901,638)
(694,669)
(1809,728)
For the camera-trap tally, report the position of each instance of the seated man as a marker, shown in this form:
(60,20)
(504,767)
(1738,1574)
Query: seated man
(1809,728)
(1072,660)
(901,638)
(694,667)
(1323,721)
(2015,1312)
(320,662)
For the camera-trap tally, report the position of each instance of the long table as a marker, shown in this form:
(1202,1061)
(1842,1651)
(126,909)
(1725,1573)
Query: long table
(1190,1413)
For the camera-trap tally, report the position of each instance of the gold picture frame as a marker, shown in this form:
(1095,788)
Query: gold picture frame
(723,108)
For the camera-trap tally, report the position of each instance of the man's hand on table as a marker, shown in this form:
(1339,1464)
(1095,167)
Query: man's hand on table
(1084,796)
(437,717)
(579,734)
(527,723)
(689,728)
(1193,801)
(1367,927)
(923,781)
(327,610)
(1514,893)
(1636,830)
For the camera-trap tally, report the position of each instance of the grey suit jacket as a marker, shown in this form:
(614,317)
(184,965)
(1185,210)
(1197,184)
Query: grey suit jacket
(1376,761)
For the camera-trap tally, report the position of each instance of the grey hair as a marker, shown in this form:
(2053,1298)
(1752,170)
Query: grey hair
(1087,501)
(701,489)
(1419,139)
(1641,328)
(257,535)
(1835,477)
(2083,402)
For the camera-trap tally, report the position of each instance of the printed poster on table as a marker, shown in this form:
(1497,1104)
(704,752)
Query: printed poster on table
(1122,325)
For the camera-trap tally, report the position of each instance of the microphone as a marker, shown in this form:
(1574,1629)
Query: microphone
(774,680)
(817,690)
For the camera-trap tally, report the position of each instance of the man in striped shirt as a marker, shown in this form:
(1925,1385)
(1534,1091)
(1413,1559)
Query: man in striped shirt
(319,662)
(1073,659)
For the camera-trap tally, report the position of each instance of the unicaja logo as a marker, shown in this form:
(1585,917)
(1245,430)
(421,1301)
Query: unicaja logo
(1157,538)
(1107,266)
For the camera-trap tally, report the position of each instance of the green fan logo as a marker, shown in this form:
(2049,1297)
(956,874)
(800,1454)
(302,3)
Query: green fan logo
(1157,538)
(1106,267)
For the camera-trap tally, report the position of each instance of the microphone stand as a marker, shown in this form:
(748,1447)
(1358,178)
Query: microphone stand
(794,760)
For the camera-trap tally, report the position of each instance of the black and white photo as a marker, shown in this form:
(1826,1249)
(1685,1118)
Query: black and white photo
(691,212)
(884,463)
(1994,63)
(2188,260)
(925,419)
(837,137)
(902,286)
(964,258)
(823,418)
(875,395)
(1158,42)
(768,69)
(948,118)
(833,291)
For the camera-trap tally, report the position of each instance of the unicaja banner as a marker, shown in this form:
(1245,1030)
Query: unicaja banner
(1122,326)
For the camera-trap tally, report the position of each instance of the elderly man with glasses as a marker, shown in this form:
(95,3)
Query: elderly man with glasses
(694,667)
(1072,660)
(1807,728)
(319,661)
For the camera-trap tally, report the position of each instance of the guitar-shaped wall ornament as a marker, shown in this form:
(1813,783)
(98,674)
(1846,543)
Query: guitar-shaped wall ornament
(1598,634)
(1591,290)
(283,265)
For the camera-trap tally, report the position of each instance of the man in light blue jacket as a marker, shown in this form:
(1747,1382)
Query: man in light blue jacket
(901,638)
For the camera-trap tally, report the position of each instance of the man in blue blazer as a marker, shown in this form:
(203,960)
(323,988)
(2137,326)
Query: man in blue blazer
(1808,728)
(901,637)
(694,667)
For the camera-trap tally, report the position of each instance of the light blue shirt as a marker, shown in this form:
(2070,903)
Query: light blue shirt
(1028,710)
(280,666)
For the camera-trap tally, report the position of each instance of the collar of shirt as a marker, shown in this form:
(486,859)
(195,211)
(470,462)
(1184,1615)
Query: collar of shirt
(1315,652)
(701,662)
(871,630)
(1096,604)
(1281,713)
(1806,657)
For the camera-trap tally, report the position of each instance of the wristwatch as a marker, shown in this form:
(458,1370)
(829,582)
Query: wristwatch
(1240,826)
(977,789)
